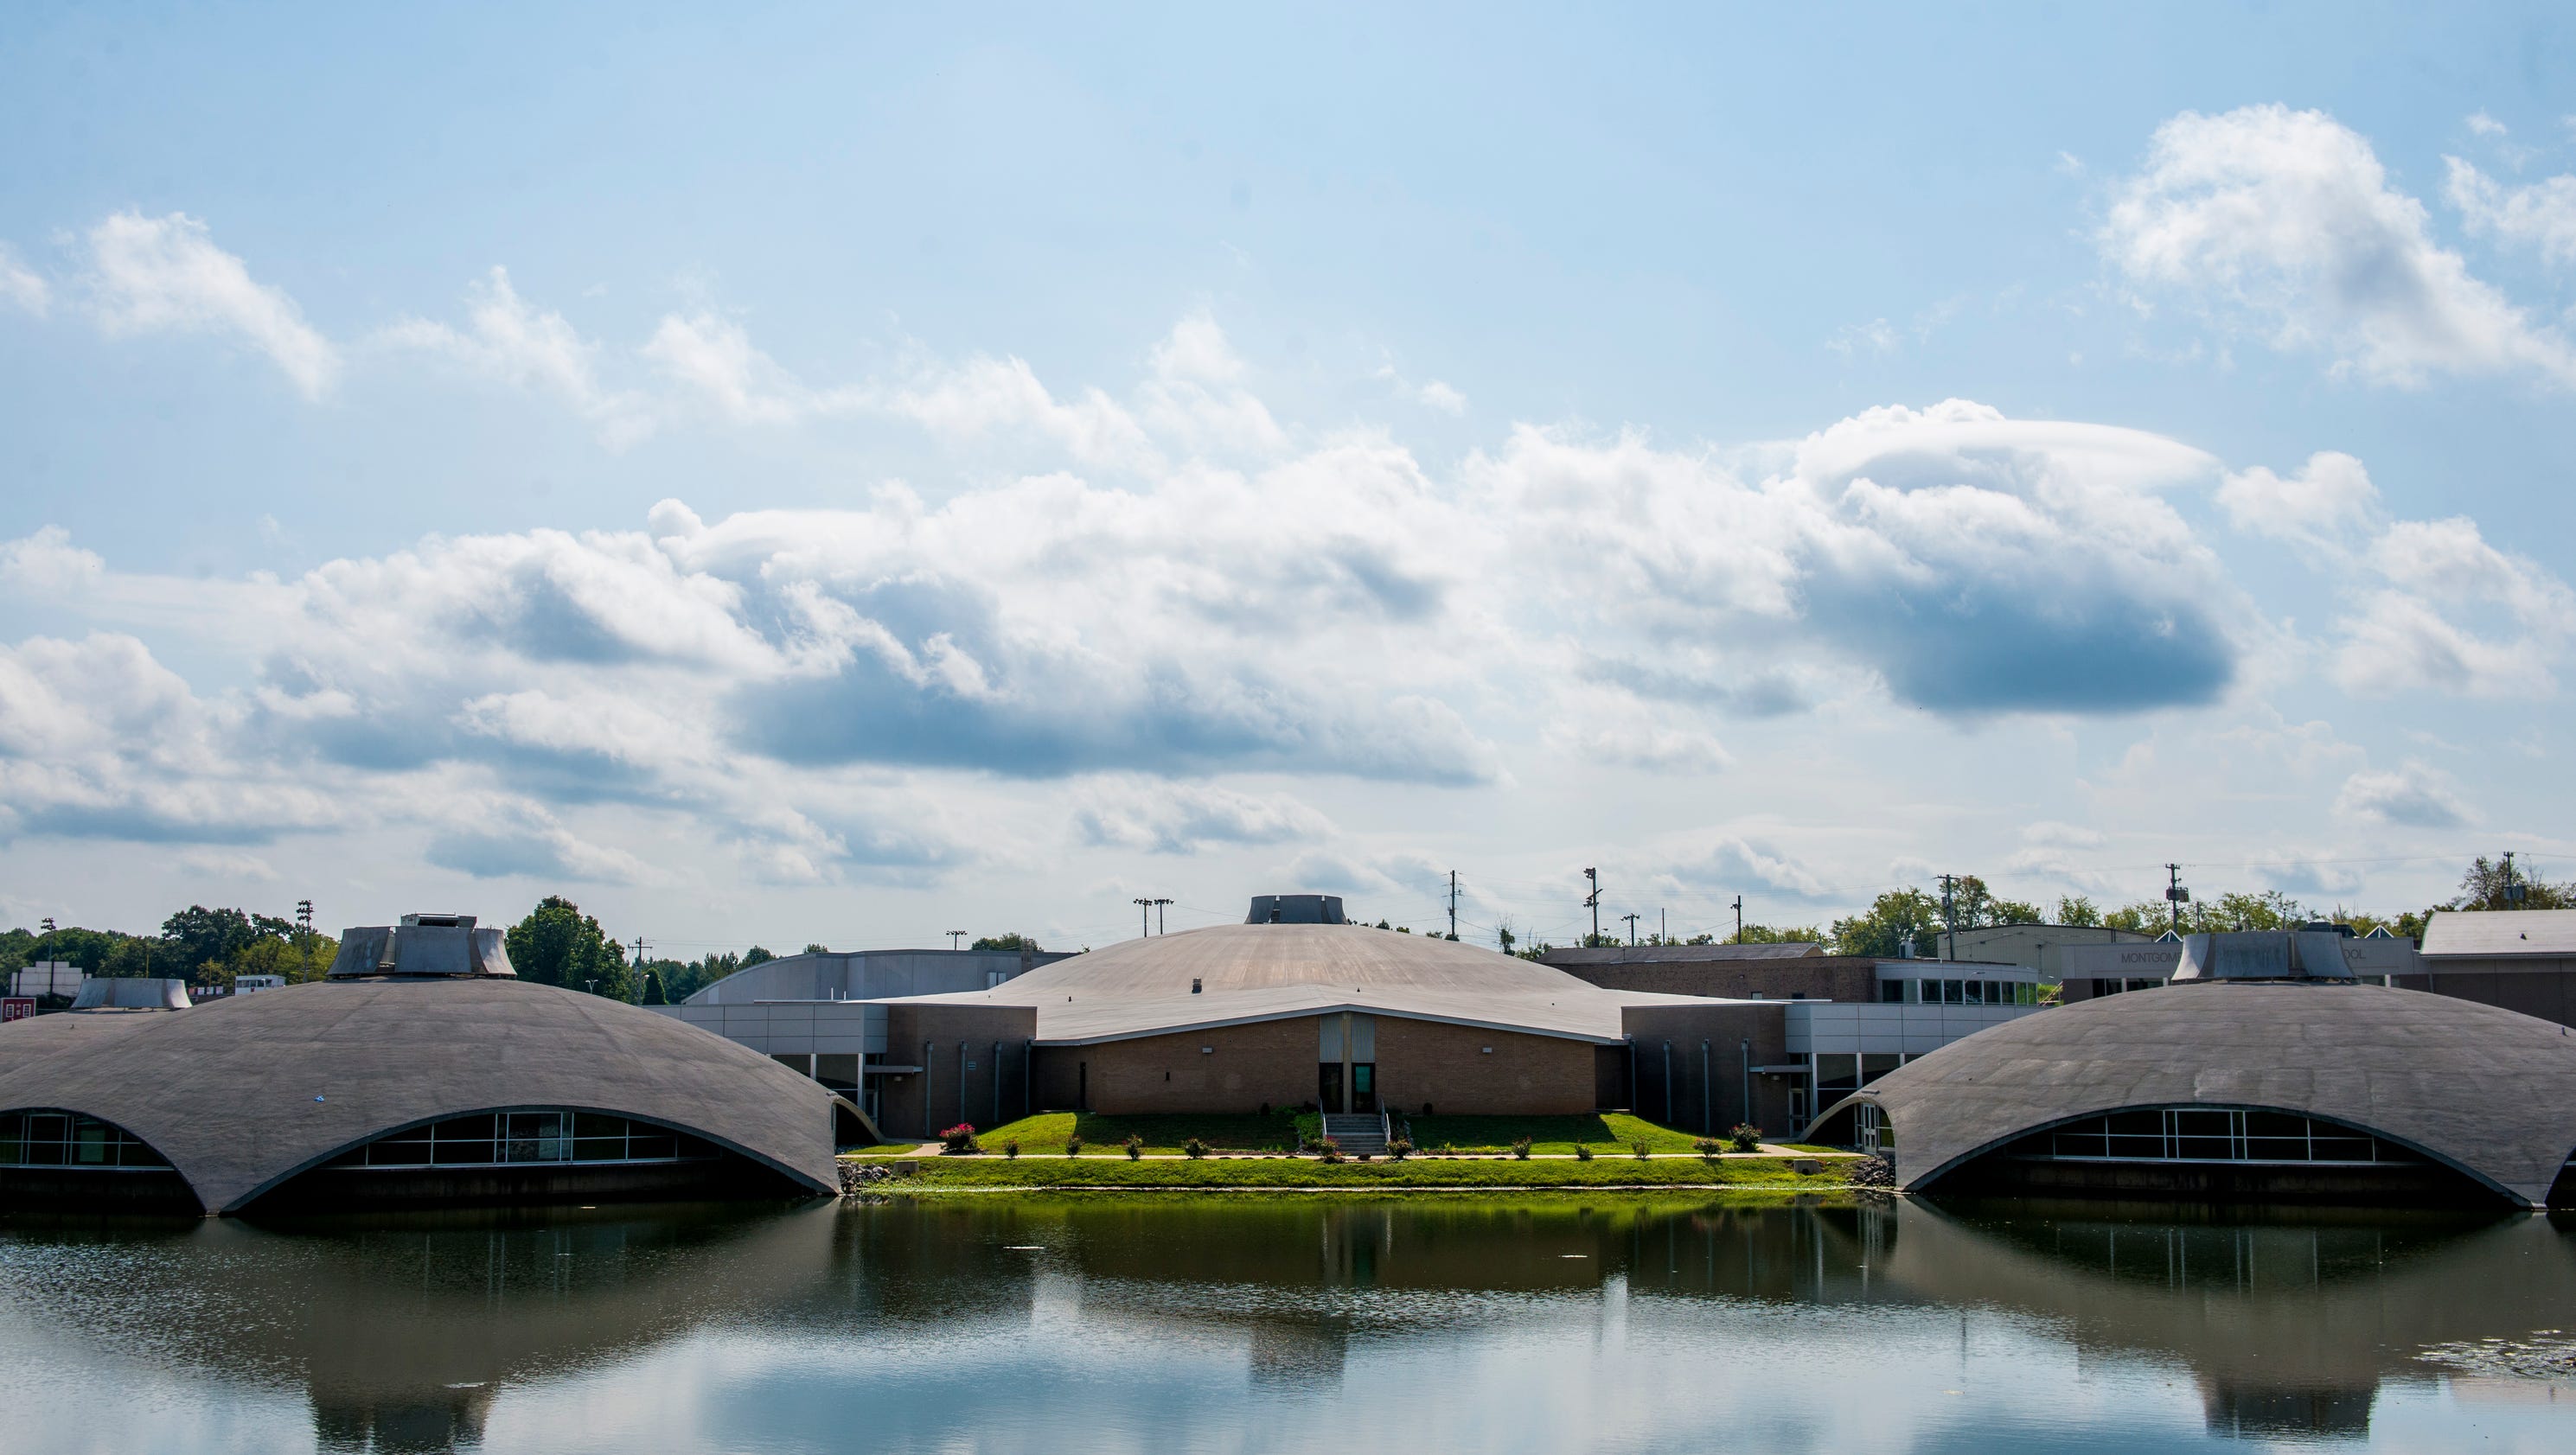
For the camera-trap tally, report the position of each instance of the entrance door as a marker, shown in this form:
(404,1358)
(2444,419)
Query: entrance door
(1328,1085)
(1363,1086)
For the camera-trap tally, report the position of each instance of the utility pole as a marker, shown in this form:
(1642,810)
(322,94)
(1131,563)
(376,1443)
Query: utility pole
(304,934)
(1950,914)
(2513,893)
(2175,895)
(1592,901)
(1739,919)
(956,939)
(638,987)
(1631,918)
(1158,915)
(1453,904)
(1144,916)
(1663,925)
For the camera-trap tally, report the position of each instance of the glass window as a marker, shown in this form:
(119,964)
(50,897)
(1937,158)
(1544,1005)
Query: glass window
(1891,992)
(525,1137)
(70,1139)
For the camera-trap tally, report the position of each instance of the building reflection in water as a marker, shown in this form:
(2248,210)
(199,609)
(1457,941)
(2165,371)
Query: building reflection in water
(405,1333)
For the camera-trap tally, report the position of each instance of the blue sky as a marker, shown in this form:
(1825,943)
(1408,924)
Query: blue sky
(816,474)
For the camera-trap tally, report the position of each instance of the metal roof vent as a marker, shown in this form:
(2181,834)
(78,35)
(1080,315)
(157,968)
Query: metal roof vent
(446,945)
(1296,909)
(2309,954)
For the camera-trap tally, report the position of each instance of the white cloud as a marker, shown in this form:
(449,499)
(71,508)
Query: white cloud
(2413,796)
(1629,736)
(22,289)
(227,864)
(1431,394)
(2050,834)
(2540,216)
(1876,336)
(512,343)
(1181,818)
(2325,500)
(2285,222)
(2485,125)
(154,274)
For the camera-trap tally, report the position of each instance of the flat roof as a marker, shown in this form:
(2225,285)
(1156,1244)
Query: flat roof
(2495,934)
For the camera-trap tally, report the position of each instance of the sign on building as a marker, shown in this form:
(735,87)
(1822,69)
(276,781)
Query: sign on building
(17,1008)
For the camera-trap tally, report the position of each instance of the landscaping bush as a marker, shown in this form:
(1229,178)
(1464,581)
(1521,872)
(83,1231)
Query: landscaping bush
(1746,1137)
(1328,1149)
(959,1138)
(1708,1146)
(1399,1149)
(1011,1148)
(1135,1146)
(1194,1149)
(1073,1146)
(1582,1152)
(1643,1151)
(1520,1150)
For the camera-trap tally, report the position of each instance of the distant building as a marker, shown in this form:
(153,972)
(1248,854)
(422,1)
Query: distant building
(47,977)
(2522,959)
(251,984)
(2037,947)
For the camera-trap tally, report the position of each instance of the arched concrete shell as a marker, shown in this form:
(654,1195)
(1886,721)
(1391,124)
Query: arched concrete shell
(1253,972)
(2487,1091)
(227,1092)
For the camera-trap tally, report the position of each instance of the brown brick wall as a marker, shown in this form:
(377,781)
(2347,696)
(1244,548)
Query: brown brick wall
(921,1103)
(1274,1061)
(1708,1095)
(1447,1066)
(1817,977)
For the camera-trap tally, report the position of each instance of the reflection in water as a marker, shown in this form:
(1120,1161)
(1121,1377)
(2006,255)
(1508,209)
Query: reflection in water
(1533,1324)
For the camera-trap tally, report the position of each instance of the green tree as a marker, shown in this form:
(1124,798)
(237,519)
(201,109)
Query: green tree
(757,956)
(1781,935)
(2483,887)
(559,945)
(2078,909)
(1012,941)
(1894,921)
(202,940)
(816,947)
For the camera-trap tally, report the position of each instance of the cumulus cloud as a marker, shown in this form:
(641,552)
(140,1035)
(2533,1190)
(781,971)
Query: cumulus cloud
(507,340)
(2415,795)
(165,274)
(1733,865)
(2540,216)
(2285,222)
(1430,394)
(227,864)
(1180,818)
(22,289)
(2428,605)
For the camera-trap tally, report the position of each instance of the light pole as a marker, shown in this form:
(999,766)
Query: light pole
(1144,916)
(954,936)
(1158,915)
(1592,901)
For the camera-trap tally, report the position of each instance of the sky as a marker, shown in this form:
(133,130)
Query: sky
(848,474)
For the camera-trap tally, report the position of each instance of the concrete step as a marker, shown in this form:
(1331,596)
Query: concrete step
(1359,1132)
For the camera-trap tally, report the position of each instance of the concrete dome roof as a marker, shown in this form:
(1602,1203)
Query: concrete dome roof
(1267,971)
(1268,957)
(2490,1093)
(243,1093)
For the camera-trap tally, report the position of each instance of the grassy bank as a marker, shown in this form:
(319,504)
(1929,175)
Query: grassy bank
(1608,1133)
(1303,1172)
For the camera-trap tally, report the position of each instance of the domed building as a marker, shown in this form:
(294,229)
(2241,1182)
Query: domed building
(421,1070)
(2264,1071)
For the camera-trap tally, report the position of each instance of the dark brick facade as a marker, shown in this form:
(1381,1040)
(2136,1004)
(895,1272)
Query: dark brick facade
(964,1078)
(1275,1061)
(1815,977)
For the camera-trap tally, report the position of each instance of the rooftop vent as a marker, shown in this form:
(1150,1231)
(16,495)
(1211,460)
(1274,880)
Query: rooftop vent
(2310,954)
(445,945)
(1296,909)
(119,992)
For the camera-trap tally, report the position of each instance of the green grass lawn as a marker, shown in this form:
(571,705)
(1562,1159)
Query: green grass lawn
(1043,1135)
(1604,1132)
(1607,1133)
(1242,1172)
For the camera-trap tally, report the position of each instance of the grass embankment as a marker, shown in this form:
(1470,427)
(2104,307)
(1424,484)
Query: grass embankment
(964,1173)
(1607,1133)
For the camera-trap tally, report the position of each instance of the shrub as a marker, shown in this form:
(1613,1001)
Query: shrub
(1642,1150)
(1520,1149)
(1708,1146)
(1073,1146)
(1193,1149)
(1135,1146)
(1582,1151)
(1399,1149)
(1328,1149)
(1011,1148)
(960,1138)
(1746,1137)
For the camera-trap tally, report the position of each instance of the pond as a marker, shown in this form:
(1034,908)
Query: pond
(1246,1324)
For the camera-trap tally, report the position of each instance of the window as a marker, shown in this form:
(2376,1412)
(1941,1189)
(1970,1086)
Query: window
(1891,992)
(70,1139)
(1954,992)
(2208,1134)
(525,1138)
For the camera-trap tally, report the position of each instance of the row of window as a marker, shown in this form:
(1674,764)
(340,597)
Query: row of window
(520,1138)
(1958,992)
(69,1139)
(2208,1134)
